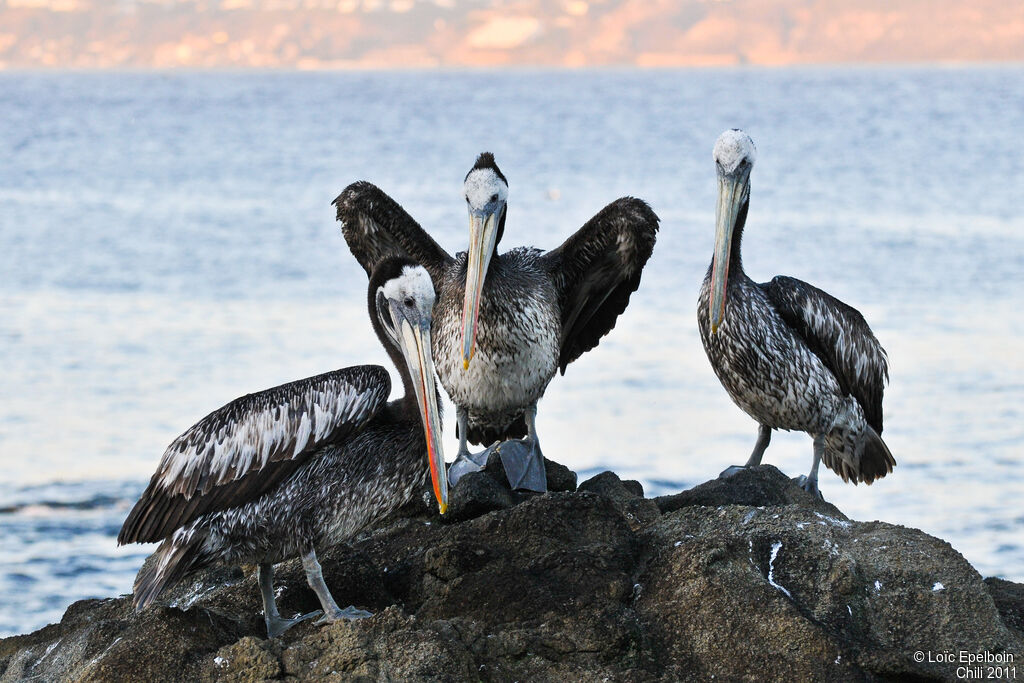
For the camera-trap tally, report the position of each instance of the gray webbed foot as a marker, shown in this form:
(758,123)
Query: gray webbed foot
(810,485)
(524,464)
(731,471)
(278,625)
(467,462)
(350,613)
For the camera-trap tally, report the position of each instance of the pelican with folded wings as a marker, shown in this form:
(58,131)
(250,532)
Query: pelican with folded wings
(302,466)
(790,355)
(505,323)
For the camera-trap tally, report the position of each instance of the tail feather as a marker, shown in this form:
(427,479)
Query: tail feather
(176,558)
(874,460)
(486,435)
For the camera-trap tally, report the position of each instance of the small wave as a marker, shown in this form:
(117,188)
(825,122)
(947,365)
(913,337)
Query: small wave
(61,497)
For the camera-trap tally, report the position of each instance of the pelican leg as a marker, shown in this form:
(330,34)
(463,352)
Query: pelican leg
(466,462)
(810,482)
(315,577)
(523,460)
(276,625)
(764,437)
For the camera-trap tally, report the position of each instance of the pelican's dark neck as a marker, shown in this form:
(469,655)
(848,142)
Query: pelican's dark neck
(501,229)
(735,259)
(408,399)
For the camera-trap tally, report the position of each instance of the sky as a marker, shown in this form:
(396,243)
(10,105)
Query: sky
(323,34)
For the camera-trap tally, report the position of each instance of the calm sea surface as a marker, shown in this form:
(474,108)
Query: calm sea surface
(167,244)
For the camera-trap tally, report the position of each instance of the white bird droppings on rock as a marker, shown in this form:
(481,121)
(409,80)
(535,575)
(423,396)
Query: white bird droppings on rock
(776,547)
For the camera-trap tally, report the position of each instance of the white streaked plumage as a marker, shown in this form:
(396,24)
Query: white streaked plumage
(790,355)
(517,343)
(300,467)
(539,311)
(280,423)
(861,355)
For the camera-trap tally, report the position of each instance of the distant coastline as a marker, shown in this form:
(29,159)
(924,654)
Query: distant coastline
(375,34)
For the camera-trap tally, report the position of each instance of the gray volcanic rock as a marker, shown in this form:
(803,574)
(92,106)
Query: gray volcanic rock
(627,496)
(763,486)
(831,598)
(1009,599)
(560,477)
(489,490)
(747,578)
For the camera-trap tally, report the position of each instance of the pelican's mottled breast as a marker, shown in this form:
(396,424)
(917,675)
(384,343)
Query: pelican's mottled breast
(517,337)
(767,371)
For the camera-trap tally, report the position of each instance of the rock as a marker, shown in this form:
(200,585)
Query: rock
(478,493)
(811,597)
(608,484)
(481,492)
(747,578)
(1009,599)
(634,487)
(560,477)
(103,640)
(761,486)
(627,497)
(249,660)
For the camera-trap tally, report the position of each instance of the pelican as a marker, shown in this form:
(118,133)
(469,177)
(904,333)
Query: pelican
(790,355)
(505,323)
(302,466)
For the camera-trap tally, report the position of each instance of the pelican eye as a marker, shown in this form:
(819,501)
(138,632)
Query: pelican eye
(409,301)
(494,197)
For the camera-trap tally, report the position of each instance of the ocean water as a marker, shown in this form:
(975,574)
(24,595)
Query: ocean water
(167,244)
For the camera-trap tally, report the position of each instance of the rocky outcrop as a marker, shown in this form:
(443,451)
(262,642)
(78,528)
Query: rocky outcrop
(745,578)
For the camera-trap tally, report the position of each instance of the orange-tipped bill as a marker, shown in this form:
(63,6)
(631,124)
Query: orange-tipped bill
(415,342)
(482,235)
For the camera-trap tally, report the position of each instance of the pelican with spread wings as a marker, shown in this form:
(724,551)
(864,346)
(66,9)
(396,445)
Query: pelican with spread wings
(505,323)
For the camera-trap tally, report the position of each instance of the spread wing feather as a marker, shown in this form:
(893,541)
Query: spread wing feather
(597,269)
(840,336)
(249,446)
(376,227)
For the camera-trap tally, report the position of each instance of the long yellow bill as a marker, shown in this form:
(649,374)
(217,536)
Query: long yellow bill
(482,234)
(730,198)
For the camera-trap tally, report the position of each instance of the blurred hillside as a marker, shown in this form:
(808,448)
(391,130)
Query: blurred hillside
(372,33)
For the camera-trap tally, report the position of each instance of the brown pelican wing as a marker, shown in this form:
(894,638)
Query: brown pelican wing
(839,335)
(249,446)
(376,227)
(597,269)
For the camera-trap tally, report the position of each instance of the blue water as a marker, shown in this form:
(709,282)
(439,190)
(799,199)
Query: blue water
(167,244)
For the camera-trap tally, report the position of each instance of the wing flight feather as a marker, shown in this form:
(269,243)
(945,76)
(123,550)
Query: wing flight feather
(244,449)
(840,336)
(376,227)
(597,269)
